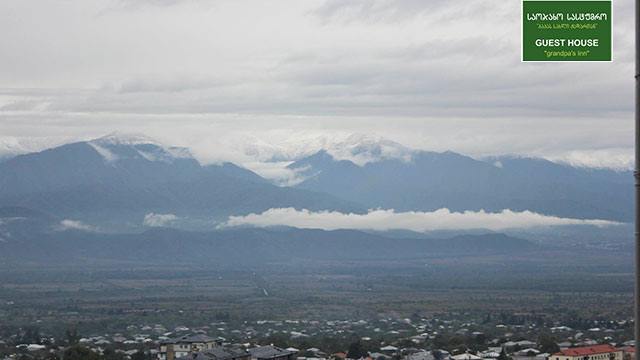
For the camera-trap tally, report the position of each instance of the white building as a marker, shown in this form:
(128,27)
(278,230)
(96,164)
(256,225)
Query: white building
(182,346)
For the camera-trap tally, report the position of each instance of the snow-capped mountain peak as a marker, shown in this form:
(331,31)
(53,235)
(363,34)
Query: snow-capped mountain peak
(362,149)
(117,146)
(118,138)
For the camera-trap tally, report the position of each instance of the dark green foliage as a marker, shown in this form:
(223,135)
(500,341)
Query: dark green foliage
(356,350)
(110,354)
(141,355)
(503,355)
(548,344)
(72,336)
(30,335)
(78,352)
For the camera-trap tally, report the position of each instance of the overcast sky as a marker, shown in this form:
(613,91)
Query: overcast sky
(235,79)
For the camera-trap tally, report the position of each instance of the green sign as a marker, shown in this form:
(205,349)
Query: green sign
(566,30)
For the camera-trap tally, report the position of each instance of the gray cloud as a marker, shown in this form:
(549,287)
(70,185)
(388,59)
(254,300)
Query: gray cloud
(172,84)
(142,5)
(22,105)
(378,10)
(436,75)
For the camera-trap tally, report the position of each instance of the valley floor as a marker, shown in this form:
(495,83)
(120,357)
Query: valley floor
(109,299)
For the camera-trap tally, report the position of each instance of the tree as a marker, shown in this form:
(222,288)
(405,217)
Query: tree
(356,351)
(503,355)
(456,342)
(548,343)
(78,352)
(72,336)
(52,356)
(480,339)
(440,342)
(140,355)
(30,335)
(110,354)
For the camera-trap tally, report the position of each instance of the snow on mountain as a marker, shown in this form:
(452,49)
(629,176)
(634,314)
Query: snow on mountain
(358,148)
(118,138)
(11,146)
(270,155)
(363,149)
(116,146)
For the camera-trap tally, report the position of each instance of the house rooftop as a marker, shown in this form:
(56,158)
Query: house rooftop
(190,339)
(587,350)
(217,354)
(269,352)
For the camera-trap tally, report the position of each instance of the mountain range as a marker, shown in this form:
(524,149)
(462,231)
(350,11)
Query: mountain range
(429,181)
(114,181)
(89,201)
